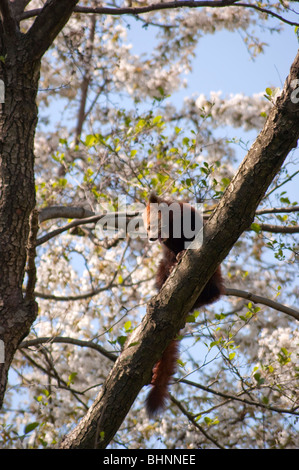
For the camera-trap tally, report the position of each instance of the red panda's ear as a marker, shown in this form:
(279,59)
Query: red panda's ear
(153,198)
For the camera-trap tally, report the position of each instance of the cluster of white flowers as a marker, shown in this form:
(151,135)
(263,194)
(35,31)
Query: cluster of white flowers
(278,356)
(237,110)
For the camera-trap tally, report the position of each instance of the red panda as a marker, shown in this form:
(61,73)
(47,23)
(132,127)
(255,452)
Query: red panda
(175,231)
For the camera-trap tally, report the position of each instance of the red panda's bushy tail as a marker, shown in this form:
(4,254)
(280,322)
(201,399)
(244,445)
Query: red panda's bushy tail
(162,372)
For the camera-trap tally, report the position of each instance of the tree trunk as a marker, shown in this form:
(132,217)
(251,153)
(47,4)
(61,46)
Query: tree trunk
(18,118)
(20,56)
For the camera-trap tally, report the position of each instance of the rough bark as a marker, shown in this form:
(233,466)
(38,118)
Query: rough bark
(19,72)
(166,312)
(18,120)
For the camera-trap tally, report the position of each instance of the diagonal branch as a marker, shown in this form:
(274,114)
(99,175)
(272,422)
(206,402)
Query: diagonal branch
(49,22)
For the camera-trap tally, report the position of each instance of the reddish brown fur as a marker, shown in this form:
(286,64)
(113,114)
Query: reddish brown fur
(162,372)
(165,367)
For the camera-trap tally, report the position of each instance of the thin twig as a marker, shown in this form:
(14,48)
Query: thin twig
(239,399)
(195,423)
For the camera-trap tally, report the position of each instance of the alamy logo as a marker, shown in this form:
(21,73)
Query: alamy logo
(176,221)
(135,221)
(2,91)
(2,352)
(295,93)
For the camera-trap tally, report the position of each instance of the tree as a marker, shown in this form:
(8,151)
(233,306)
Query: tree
(86,288)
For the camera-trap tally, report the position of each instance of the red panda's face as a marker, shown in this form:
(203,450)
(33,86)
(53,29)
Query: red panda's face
(152,223)
(173,223)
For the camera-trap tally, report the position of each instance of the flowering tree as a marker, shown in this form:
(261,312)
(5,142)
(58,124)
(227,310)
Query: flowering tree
(73,329)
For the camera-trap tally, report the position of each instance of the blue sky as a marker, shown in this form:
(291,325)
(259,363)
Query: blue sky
(223,62)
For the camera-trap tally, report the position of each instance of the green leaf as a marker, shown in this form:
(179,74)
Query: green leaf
(127,325)
(133,344)
(157,120)
(285,200)
(30,427)
(255,227)
(71,378)
(260,380)
(207,420)
(284,356)
(265,400)
(190,319)
(121,340)
(225,182)
(90,140)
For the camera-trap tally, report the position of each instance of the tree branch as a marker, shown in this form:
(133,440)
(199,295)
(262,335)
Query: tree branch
(267,12)
(280,229)
(277,210)
(239,398)
(134,11)
(88,216)
(49,22)
(115,216)
(67,340)
(73,298)
(85,81)
(258,299)
(7,18)
(18,6)
(166,312)
(64,212)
